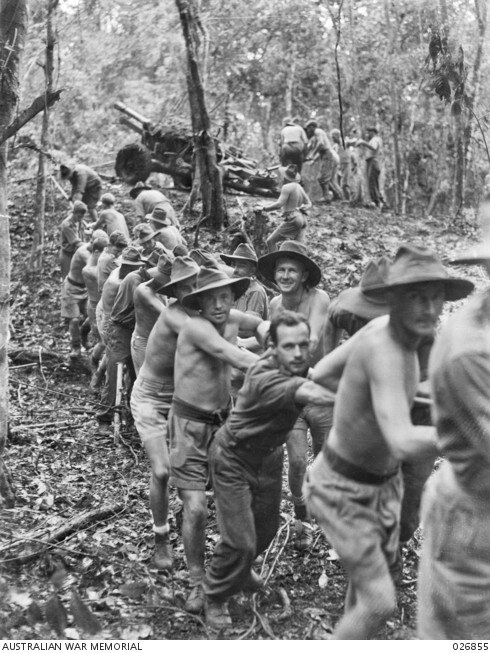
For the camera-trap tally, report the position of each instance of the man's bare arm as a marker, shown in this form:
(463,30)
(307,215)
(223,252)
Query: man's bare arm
(328,371)
(312,393)
(204,336)
(147,299)
(317,317)
(392,409)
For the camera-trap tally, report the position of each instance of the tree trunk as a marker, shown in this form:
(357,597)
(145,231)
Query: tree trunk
(475,86)
(36,259)
(13,27)
(395,119)
(288,95)
(204,143)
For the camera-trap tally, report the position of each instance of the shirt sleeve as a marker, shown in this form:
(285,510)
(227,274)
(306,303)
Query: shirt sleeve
(461,393)
(275,390)
(256,303)
(79,182)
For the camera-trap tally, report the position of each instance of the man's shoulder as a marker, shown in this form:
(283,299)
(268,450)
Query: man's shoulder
(318,295)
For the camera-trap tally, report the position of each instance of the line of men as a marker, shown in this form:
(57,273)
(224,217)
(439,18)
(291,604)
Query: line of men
(366,449)
(343,171)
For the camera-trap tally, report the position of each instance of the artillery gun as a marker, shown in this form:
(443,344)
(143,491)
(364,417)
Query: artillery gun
(170,149)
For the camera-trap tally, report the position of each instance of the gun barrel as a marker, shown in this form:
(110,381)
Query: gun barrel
(132,113)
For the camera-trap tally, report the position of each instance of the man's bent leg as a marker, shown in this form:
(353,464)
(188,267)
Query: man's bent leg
(361,521)
(235,552)
(194,539)
(297,449)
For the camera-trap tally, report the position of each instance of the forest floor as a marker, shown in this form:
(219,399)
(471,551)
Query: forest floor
(96,581)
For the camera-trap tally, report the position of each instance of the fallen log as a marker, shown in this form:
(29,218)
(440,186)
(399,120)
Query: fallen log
(43,539)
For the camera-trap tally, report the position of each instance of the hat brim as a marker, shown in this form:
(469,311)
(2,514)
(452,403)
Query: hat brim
(353,300)
(229,259)
(141,241)
(239,286)
(267,265)
(454,287)
(134,263)
(158,277)
(169,287)
(296,178)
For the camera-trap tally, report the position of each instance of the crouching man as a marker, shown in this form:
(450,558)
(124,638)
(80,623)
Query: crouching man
(246,459)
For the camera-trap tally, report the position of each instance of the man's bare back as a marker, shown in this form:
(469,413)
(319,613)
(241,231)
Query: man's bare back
(162,343)
(148,305)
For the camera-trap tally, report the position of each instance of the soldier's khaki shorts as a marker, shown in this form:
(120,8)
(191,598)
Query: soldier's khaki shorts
(454,573)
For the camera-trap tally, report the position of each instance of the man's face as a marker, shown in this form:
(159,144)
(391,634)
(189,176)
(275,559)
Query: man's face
(292,349)
(78,216)
(289,275)
(216,304)
(417,307)
(244,268)
(185,287)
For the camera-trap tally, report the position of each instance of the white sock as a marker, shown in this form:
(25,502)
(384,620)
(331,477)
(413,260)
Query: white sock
(161,530)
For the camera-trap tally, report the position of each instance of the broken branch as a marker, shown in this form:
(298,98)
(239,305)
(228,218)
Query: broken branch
(39,104)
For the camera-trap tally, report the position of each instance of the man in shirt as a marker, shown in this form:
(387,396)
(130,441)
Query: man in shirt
(110,220)
(454,573)
(152,396)
(374,149)
(293,143)
(246,459)
(354,488)
(294,202)
(297,277)
(71,235)
(320,149)
(86,186)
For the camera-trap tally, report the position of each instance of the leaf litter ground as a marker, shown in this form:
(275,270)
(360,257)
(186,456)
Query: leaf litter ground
(96,581)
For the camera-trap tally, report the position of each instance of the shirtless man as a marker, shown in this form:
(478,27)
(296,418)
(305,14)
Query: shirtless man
(297,276)
(74,297)
(108,260)
(148,304)
(110,219)
(294,203)
(146,198)
(293,143)
(71,235)
(89,273)
(165,230)
(201,401)
(354,488)
(152,396)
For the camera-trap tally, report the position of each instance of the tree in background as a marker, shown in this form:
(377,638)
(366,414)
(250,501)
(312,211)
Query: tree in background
(36,258)
(206,161)
(13,27)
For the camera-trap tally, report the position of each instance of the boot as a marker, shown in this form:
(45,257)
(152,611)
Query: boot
(304,535)
(217,614)
(162,556)
(195,601)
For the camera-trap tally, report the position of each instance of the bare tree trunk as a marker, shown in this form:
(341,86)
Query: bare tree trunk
(13,27)
(36,259)
(265,125)
(354,67)
(204,143)
(475,86)
(288,95)
(395,118)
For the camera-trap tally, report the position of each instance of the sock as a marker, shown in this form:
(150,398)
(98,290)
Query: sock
(161,530)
